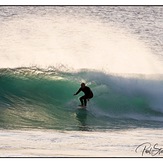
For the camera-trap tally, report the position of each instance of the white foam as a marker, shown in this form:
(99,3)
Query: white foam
(48,143)
(75,42)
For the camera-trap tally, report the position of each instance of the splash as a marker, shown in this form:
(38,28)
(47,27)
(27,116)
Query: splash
(75,42)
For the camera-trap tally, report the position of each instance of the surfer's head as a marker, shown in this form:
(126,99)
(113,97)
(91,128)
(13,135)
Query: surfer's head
(82,85)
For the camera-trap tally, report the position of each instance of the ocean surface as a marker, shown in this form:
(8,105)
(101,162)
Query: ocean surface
(47,51)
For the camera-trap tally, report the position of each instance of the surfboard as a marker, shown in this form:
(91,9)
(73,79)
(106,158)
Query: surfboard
(81,107)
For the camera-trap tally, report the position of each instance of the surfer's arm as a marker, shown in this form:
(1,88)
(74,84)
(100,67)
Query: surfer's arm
(77,91)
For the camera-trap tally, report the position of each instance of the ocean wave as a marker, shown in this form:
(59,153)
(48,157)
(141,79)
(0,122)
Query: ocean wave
(43,98)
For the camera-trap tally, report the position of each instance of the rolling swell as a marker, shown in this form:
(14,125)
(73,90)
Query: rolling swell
(43,98)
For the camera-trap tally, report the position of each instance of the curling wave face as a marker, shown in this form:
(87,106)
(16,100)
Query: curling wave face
(43,98)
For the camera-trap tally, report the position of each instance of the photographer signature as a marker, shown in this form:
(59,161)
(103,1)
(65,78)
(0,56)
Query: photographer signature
(147,148)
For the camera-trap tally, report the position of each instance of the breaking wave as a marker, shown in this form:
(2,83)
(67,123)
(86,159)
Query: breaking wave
(43,98)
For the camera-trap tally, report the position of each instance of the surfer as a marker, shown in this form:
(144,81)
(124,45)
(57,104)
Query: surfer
(88,94)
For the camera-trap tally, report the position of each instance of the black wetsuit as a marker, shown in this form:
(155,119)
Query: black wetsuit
(88,95)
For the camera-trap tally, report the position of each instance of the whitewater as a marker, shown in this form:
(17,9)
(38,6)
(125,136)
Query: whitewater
(47,51)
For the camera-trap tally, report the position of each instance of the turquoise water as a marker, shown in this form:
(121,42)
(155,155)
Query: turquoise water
(37,98)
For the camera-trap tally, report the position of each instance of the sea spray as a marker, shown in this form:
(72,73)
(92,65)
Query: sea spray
(46,52)
(74,42)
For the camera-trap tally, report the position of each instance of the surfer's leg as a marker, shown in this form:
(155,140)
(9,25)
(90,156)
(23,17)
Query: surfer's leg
(85,102)
(88,98)
(81,100)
